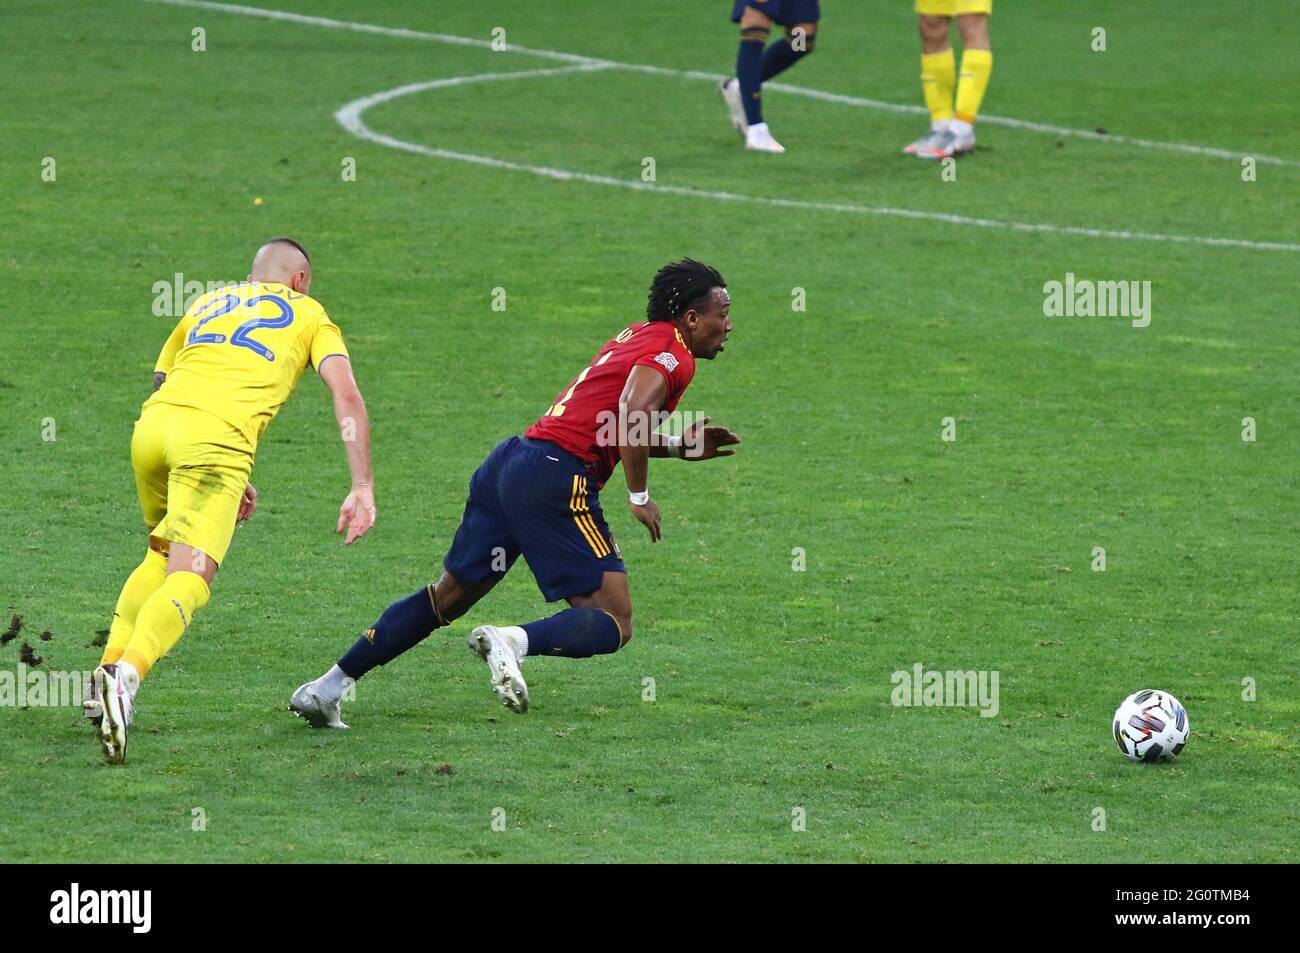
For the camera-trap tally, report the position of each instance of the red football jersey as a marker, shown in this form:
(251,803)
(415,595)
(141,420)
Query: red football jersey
(576,419)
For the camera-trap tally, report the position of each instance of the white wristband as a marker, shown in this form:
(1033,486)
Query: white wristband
(638,499)
(674,445)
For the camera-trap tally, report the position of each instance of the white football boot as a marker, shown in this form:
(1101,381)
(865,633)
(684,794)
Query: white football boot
(499,649)
(759,139)
(926,142)
(950,144)
(729,89)
(117,699)
(91,706)
(307,702)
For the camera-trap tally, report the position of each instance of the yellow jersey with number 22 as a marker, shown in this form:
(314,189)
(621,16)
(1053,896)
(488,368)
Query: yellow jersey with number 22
(239,352)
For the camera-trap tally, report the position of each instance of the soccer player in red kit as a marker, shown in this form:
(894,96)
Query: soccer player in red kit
(538,495)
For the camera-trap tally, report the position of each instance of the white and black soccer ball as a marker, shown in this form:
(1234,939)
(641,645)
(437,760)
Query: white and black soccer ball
(1151,726)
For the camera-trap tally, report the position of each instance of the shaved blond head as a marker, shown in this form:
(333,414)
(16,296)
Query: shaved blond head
(282,261)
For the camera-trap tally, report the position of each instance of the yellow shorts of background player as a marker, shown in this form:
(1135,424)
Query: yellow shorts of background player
(191,468)
(953,8)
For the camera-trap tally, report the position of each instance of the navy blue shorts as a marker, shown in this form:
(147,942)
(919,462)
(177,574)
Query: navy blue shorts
(784,12)
(532,497)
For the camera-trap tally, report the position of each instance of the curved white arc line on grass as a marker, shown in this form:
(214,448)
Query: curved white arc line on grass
(349,117)
(405,34)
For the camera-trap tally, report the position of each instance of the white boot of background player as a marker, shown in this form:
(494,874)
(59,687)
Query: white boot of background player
(957,140)
(730,92)
(759,139)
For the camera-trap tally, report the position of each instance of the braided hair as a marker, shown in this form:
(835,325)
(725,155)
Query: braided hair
(681,286)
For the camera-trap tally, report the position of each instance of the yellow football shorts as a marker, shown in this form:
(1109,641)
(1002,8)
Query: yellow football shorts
(953,8)
(190,472)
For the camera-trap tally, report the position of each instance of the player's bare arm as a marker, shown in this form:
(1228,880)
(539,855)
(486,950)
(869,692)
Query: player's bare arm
(643,397)
(357,514)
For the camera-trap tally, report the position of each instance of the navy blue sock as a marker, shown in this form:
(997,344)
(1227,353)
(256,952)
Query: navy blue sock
(574,633)
(749,71)
(781,55)
(403,625)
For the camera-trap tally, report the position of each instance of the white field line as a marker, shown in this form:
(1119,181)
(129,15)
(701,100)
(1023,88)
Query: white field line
(350,118)
(817,94)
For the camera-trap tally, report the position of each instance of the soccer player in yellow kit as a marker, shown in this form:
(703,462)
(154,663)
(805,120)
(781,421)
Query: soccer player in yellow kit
(952,124)
(228,367)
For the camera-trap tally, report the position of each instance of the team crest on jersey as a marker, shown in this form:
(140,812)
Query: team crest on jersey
(667,360)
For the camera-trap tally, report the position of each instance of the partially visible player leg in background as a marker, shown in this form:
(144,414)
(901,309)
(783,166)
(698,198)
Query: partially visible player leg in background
(952,125)
(757,62)
(746,89)
(797,43)
(938,78)
(973,80)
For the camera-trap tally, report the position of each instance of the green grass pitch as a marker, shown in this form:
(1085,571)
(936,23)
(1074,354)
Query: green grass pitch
(772,685)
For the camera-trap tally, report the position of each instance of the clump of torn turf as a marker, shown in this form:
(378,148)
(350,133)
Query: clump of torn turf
(15,625)
(100,639)
(27,655)
(47,635)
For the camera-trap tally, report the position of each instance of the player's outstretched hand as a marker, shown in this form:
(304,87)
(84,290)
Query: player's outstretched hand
(357,514)
(700,442)
(248,504)
(648,513)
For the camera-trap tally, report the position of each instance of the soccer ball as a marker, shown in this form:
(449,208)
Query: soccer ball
(1151,726)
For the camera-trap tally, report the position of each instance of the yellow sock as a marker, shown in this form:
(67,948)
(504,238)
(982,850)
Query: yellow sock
(140,585)
(938,77)
(164,618)
(976,65)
